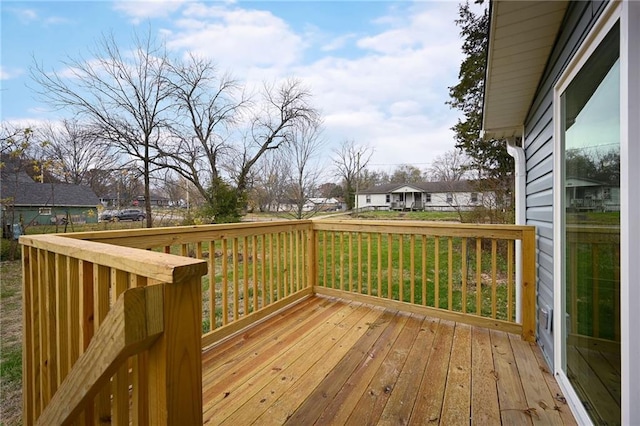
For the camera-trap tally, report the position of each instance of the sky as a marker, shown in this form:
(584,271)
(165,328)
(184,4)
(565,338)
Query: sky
(379,71)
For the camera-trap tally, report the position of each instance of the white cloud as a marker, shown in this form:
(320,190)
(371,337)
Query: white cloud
(26,15)
(7,73)
(145,9)
(237,38)
(389,92)
(337,42)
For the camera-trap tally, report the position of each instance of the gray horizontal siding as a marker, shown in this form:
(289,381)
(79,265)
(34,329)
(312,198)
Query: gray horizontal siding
(539,149)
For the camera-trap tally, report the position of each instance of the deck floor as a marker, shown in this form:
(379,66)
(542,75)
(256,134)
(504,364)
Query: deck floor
(328,361)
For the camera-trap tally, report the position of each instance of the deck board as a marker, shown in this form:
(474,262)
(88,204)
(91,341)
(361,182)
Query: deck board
(327,361)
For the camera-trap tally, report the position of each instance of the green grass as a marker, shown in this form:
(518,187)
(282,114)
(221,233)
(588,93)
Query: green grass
(593,284)
(393,215)
(343,271)
(11,365)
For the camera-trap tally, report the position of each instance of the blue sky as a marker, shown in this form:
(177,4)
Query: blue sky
(378,70)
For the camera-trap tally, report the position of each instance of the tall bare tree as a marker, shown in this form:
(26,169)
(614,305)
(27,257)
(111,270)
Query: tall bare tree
(208,106)
(75,152)
(270,185)
(122,94)
(349,161)
(450,167)
(284,108)
(303,153)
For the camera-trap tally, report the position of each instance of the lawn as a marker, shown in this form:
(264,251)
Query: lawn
(10,343)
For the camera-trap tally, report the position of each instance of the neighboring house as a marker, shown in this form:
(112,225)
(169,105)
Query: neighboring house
(322,204)
(562,80)
(442,196)
(28,202)
(584,195)
(311,205)
(112,200)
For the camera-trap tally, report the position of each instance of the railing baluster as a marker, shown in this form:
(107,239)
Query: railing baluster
(120,384)
(450,272)
(379,294)
(412,267)
(478,276)
(369,266)
(245,276)
(334,264)
(101,278)
(86,317)
(389,265)
(359,270)
(349,261)
(279,277)
(212,285)
(234,259)
(494,284)
(510,261)
(436,271)
(139,371)
(341,250)
(263,269)
(424,270)
(401,267)
(62,324)
(225,283)
(254,271)
(464,274)
(271,266)
(29,360)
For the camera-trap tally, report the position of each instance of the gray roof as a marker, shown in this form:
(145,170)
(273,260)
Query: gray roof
(431,187)
(47,194)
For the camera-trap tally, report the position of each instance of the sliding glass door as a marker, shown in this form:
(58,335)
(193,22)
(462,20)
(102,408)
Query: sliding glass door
(590,115)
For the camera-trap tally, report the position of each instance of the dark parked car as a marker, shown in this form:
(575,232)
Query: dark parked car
(130,214)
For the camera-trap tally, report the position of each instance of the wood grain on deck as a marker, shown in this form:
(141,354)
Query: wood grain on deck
(328,361)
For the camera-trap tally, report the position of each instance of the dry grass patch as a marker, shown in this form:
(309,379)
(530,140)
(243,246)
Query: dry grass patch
(10,343)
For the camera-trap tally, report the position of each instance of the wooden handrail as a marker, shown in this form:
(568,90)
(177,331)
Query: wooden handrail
(132,325)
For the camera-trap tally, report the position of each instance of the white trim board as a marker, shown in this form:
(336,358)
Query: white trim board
(606,21)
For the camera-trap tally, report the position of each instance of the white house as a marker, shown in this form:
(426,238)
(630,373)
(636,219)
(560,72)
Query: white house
(562,80)
(441,196)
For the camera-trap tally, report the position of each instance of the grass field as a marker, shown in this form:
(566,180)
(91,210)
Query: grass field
(10,343)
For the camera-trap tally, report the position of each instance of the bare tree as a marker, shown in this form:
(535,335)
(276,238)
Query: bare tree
(450,167)
(122,94)
(302,153)
(269,189)
(406,173)
(349,160)
(75,152)
(208,106)
(284,108)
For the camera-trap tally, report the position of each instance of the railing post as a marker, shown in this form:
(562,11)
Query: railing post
(175,360)
(529,284)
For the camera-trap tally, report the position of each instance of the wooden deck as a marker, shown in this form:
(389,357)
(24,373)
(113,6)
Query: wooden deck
(328,361)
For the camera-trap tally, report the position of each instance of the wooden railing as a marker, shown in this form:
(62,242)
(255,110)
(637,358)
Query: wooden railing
(462,272)
(224,278)
(593,283)
(254,269)
(97,349)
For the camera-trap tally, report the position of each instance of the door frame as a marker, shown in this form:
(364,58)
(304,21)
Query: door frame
(610,16)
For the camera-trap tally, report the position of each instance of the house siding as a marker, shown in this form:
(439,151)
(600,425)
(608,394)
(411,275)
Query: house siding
(539,148)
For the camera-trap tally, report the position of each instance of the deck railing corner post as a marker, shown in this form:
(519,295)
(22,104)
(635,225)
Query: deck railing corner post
(175,359)
(529,284)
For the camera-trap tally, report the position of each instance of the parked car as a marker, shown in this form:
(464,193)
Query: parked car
(108,215)
(130,214)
